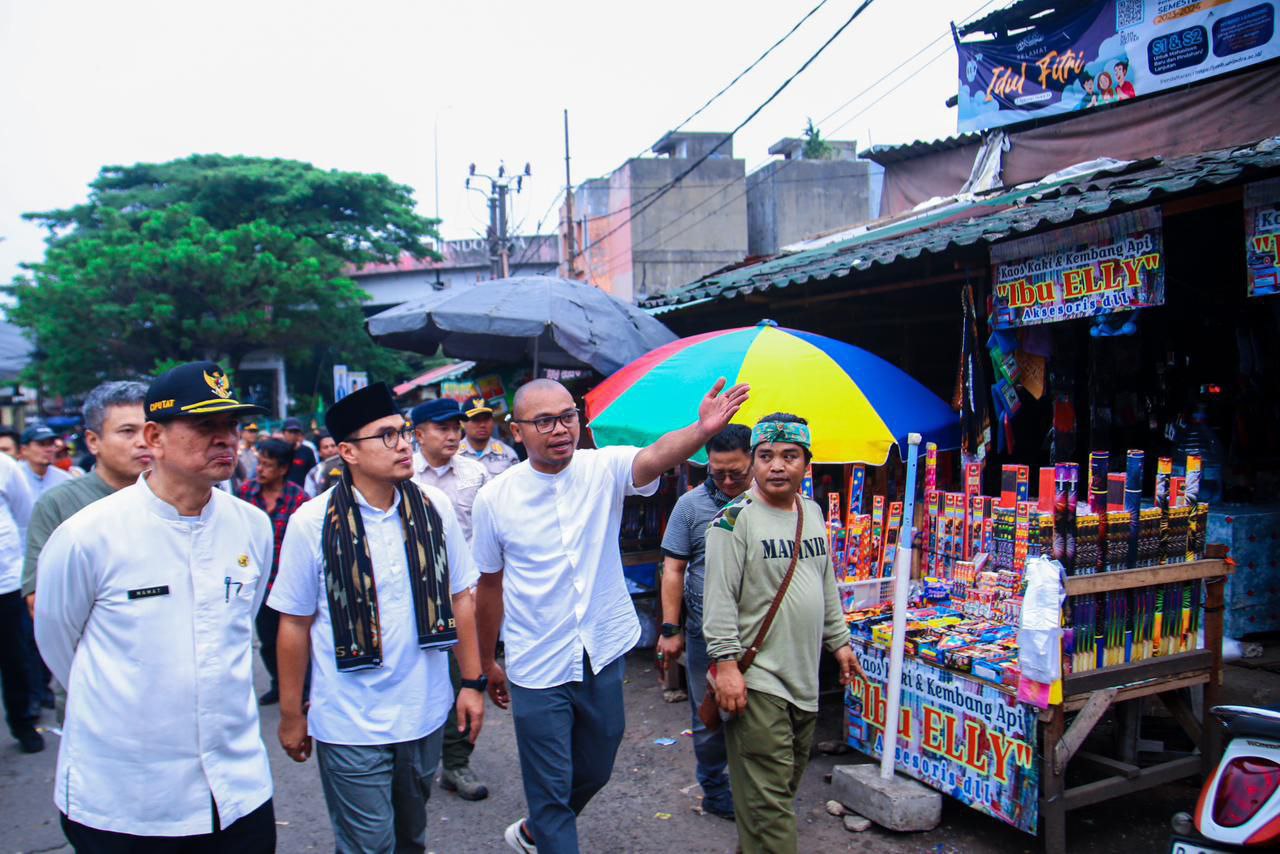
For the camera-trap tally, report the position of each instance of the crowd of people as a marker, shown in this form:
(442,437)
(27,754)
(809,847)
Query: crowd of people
(379,566)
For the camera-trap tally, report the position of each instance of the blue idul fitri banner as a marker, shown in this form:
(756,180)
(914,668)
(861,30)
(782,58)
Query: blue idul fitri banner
(1110,51)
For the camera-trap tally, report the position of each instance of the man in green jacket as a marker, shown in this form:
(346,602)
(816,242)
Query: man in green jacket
(113,420)
(749,548)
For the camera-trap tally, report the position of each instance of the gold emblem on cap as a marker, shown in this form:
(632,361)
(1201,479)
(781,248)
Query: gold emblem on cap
(243,560)
(219,383)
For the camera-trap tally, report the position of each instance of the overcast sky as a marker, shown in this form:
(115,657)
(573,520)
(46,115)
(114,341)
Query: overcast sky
(364,86)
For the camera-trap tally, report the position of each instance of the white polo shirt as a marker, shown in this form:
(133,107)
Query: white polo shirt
(147,618)
(16,503)
(555,539)
(409,695)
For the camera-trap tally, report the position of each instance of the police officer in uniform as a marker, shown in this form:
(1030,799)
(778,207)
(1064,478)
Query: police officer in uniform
(145,608)
(480,445)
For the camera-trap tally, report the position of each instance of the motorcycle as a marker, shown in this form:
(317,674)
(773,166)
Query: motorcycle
(1239,805)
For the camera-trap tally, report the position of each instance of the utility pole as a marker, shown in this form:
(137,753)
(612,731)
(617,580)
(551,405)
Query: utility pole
(571,266)
(498,238)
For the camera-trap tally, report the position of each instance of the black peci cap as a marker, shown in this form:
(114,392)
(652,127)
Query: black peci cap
(191,390)
(359,408)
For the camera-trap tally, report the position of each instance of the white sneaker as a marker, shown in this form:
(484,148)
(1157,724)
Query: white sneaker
(516,839)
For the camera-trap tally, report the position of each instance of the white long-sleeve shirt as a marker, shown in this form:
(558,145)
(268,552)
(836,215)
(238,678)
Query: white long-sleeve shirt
(147,618)
(16,502)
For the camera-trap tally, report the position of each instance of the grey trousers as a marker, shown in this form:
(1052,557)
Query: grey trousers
(377,794)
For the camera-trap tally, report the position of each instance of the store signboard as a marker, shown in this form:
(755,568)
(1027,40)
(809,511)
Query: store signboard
(1262,237)
(1109,265)
(962,736)
(463,391)
(1108,51)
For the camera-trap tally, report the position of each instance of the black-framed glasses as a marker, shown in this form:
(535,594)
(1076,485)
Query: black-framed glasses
(390,436)
(547,423)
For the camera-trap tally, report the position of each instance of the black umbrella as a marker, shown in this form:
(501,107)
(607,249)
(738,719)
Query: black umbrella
(545,320)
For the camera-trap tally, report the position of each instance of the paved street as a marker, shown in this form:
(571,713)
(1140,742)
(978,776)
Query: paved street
(650,783)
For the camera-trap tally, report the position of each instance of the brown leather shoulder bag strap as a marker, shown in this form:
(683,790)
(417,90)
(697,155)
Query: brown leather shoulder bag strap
(754,649)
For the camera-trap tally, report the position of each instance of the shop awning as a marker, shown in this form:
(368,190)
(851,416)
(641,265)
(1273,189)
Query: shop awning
(965,221)
(434,375)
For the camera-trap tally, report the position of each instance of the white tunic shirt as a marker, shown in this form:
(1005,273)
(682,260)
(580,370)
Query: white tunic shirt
(16,502)
(409,695)
(555,538)
(147,618)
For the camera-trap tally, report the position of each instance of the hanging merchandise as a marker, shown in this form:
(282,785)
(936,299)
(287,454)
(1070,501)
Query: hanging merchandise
(971,385)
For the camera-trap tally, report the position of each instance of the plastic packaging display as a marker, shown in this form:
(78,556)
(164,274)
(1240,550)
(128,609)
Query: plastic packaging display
(1040,631)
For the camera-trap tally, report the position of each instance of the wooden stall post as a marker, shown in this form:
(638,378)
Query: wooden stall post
(1053,808)
(1214,602)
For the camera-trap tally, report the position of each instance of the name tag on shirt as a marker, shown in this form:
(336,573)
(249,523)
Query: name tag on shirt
(146,592)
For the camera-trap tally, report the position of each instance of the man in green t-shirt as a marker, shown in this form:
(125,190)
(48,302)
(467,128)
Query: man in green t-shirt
(749,547)
(113,420)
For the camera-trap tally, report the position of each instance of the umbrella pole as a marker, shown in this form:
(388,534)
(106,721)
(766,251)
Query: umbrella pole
(536,343)
(901,583)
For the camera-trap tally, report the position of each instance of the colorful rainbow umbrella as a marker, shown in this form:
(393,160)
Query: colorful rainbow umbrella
(858,405)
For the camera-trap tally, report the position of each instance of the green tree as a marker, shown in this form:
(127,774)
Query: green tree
(355,216)
(214,256)
(815,147)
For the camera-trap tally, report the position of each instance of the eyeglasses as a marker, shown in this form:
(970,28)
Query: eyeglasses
(391,437)
(737,476)
(547,423)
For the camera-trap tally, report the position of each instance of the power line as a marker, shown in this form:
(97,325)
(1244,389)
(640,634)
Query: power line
(524,256)
(786,163)
(744,72)
(783,165)
(890,91)
(822,121)
(730,85)
(648,201)
(895,69)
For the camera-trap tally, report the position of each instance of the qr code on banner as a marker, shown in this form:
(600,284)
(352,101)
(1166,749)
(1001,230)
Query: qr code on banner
(1129,13)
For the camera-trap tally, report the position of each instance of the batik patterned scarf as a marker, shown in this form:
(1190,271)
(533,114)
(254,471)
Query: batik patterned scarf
(349,583)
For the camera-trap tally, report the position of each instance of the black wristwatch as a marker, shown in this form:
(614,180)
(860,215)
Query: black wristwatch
(670,630)
(479,684)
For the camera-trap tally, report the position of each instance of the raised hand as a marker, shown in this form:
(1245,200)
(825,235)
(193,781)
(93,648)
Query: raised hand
(717,410)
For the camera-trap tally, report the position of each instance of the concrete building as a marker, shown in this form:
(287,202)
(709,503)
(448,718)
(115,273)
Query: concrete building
(634,244)
(465,263)
(795,198)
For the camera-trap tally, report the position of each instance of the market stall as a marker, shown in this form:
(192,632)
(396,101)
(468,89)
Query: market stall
(973,723)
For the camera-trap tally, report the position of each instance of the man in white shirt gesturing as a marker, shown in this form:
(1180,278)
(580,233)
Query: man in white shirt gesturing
(145,613)
(374,587)
(545,538)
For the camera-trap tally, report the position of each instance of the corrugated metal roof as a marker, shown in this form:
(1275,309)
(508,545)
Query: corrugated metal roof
(1015,15)
(988,220)
(887,154)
